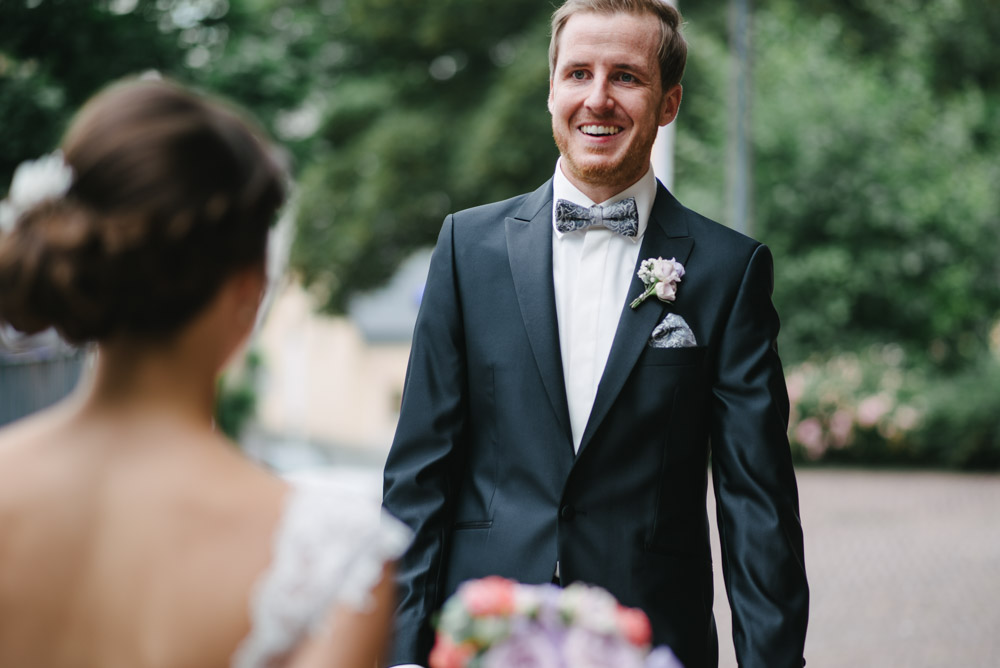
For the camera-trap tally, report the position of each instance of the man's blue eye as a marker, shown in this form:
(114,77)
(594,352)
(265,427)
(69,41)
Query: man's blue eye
(628,78)
(578,74)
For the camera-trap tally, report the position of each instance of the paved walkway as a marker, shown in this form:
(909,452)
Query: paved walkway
(904,570)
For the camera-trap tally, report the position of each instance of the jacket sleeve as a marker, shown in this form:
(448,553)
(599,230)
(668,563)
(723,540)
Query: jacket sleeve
(757,500)
(418,471)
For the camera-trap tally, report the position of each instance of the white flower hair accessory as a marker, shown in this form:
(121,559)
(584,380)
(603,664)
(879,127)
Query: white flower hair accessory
(35,181)
(660,278)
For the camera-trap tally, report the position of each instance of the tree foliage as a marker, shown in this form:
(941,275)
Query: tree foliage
(874,134)
(435,107)
(876,183)
(54,54)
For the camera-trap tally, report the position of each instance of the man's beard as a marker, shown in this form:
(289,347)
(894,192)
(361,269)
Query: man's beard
(635,159)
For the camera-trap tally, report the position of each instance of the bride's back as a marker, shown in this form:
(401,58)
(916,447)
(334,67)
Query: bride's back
(118,553)
(131,534)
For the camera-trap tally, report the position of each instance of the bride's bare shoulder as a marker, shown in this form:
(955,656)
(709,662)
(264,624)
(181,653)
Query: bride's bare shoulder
(14,436)
(22,448)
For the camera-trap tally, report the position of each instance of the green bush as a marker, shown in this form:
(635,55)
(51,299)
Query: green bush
(236,397)
(961,424)
(877,194)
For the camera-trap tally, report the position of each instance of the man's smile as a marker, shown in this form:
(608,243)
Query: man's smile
(599,130)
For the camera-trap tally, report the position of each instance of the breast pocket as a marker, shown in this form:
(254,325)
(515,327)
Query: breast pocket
(673,356)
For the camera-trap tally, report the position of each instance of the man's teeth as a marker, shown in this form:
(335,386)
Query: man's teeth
(600,130)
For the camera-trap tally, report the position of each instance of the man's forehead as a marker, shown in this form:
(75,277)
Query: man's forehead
(603,36)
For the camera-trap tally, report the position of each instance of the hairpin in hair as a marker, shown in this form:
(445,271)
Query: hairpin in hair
(35,181)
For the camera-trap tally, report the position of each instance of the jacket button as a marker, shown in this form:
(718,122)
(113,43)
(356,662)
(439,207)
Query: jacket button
(567,513)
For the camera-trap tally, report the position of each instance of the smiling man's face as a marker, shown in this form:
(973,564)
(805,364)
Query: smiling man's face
(607,101)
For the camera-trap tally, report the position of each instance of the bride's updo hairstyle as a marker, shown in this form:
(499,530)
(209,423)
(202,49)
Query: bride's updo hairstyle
(171,194)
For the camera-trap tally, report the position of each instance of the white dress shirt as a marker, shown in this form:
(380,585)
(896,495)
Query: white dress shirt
(592,270)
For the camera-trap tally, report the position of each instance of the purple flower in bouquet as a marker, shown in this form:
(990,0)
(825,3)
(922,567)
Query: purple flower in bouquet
(533,647)
(585,649)
(662,657)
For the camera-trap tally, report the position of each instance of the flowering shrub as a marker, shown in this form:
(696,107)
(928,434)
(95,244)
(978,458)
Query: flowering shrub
(498,623)
(854,406)
(877,407)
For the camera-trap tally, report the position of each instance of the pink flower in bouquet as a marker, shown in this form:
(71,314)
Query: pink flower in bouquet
(634,625)
(492,595)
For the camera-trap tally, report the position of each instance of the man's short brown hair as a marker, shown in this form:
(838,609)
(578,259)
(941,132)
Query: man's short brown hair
(672,54)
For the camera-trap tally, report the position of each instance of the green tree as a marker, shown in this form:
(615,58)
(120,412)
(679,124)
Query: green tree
(54,54)
(876,189)
(874,134)
(432,107)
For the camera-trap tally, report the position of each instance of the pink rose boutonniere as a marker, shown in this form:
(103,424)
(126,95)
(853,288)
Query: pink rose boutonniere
(499,623)
(660,278)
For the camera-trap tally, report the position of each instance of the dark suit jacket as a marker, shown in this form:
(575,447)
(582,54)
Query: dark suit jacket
(482,467)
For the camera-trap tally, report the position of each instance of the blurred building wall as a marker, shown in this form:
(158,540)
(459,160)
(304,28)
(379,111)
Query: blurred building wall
(323,382)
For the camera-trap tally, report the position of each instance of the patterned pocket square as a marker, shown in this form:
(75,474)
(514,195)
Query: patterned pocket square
(672,332)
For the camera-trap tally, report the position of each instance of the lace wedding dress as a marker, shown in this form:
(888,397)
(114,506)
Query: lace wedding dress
(329,549)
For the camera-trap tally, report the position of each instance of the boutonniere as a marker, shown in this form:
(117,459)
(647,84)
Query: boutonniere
(660,278)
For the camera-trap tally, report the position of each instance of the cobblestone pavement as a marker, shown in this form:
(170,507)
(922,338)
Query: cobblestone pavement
(904,570)
(904,567)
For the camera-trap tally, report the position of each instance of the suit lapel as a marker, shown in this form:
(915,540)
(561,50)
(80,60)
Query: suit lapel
(529,247)
(666,236)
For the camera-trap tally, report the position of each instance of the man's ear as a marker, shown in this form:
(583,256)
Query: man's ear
(671,104)
(549,104)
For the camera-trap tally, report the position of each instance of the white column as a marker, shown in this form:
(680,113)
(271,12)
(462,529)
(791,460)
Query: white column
(663,147)
(739,165)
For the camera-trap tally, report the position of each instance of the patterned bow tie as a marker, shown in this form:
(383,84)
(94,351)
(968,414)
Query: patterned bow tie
(621,217)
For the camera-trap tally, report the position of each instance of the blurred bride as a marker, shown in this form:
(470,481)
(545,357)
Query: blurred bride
(131,532)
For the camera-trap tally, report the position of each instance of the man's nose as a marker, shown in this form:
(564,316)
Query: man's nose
(599,97)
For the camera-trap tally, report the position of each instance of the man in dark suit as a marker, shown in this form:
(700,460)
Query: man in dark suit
(551,431)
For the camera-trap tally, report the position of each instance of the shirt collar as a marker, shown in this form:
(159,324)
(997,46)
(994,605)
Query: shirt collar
(643,190)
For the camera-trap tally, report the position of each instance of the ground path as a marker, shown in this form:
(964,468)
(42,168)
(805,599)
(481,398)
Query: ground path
(904,570)
(904,567)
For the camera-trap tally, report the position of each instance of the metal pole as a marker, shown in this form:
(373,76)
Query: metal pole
(739,170)
(663,147)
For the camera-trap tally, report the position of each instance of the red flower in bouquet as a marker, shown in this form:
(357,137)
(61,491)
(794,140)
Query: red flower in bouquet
(447,654)
(634,625)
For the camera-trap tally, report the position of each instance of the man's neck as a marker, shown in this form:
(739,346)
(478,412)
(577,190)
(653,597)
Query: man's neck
(597,193)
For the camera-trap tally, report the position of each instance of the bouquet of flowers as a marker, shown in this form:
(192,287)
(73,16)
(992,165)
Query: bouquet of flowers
(498,623)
